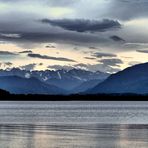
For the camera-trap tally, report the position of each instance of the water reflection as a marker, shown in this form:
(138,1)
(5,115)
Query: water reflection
(74,136)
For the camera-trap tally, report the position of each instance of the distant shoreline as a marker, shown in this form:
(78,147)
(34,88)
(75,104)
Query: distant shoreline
(100,97)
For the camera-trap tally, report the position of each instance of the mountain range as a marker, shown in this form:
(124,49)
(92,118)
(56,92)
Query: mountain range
(76,81)
(19,81)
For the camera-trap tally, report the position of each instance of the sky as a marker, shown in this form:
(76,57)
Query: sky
(95,35)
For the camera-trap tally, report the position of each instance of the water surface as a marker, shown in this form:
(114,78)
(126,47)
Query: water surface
(73,124)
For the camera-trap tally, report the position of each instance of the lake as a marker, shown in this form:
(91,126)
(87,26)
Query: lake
(73,124)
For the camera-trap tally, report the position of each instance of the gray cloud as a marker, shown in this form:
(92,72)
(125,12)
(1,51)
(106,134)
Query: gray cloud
(98,67)
(127,9)
(50,58)
(132,45)
(90,58)
(142,51)
(29,67)
(89,67)
(6,64)
(101,55)
(93,48)
(26,51)
(81,25)
(50,46)
(9,0)
(62,2)
(32,34)
(59,37)
(46,2)
(7,53)
(117,38)
(59,67)
(41,64)
(111,62)
(135,45)
(84,26)
(10,35)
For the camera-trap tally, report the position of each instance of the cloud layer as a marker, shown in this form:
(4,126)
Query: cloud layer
(98,32)
(81,25)
(50,58)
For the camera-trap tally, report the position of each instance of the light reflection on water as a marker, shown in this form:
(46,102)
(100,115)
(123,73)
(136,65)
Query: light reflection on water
(73,125)
(95,136)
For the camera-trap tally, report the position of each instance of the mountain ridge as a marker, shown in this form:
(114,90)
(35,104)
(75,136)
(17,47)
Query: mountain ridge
(19,85)
(131,80)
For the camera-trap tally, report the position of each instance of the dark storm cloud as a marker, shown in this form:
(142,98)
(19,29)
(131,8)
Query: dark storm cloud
(117,38)
(81,25)
(142,51)
(111,62)
(101,55)
(50,58)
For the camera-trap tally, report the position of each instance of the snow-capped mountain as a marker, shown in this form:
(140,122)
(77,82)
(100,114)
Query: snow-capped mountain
(64,79)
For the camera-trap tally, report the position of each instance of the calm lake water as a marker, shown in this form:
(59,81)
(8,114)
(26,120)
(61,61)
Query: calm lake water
(73,124)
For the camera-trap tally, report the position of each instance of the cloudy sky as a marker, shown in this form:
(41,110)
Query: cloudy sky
(105,35)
